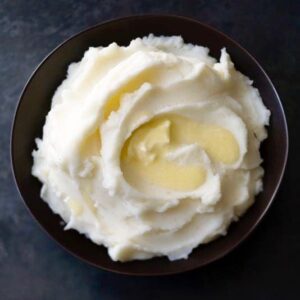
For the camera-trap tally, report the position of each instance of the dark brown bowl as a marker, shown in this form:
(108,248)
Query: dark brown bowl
(35,102)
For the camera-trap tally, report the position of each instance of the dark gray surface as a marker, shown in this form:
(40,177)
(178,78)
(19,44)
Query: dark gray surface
(266,266)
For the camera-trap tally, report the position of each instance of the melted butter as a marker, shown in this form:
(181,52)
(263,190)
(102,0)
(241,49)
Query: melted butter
(218,142)
(143,157)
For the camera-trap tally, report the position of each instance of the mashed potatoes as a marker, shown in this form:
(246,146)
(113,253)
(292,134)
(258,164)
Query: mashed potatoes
(152,149)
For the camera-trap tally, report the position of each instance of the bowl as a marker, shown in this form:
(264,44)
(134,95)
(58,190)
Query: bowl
(35,101)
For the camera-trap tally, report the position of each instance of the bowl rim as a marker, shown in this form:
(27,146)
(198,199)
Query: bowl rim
(143,16)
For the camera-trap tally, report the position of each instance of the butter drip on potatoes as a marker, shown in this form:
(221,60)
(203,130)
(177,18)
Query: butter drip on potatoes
(144,157)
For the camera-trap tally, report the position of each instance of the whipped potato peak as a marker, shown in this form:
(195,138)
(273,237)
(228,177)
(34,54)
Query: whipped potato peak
(152,149)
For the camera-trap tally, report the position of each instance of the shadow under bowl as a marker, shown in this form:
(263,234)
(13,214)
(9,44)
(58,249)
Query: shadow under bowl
(35,103)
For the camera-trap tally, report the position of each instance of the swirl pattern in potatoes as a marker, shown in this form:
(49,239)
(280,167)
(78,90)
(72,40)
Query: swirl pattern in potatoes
(153,148)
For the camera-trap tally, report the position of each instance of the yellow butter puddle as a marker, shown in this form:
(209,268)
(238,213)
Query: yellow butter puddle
(143,157)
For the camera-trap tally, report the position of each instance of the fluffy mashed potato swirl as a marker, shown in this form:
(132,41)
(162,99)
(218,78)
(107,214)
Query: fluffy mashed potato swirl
(153,148)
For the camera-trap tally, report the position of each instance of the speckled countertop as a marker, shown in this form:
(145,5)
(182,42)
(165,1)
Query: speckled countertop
(266,266)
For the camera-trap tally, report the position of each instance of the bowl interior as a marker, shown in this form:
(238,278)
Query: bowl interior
(35,104)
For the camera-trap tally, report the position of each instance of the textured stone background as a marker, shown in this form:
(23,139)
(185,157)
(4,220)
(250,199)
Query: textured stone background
(266,266)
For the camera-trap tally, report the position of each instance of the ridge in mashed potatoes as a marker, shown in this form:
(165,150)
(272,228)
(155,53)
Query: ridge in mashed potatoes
(153,148)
